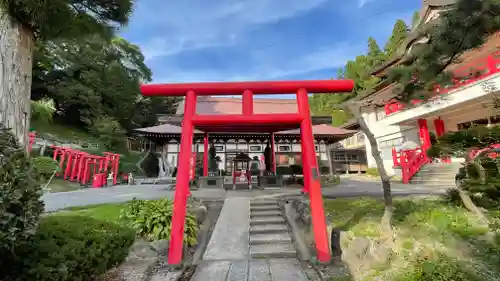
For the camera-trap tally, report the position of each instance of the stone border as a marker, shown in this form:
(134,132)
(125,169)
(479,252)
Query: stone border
(203,182)
(300,244)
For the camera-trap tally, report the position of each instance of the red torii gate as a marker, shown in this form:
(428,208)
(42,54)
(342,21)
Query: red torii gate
(249,122)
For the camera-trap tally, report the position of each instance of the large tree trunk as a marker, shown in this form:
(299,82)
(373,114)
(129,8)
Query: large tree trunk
(386,180)
(16,59)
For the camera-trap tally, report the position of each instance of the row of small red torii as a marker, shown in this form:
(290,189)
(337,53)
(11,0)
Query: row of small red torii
(82,166)
(248,122)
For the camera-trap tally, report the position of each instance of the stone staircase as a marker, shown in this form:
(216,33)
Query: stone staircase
(269,233)
(440,175)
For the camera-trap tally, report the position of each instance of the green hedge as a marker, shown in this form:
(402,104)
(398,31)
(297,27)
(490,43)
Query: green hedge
(45,166)
(70,248)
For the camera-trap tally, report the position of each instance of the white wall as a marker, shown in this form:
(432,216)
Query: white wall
(387,136)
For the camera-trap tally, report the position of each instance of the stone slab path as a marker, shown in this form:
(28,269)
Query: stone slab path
(229,239)
(228,257)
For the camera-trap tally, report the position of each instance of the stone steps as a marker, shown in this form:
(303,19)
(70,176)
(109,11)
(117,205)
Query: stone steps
(269,236)
(275,238)
(263,213)
(268,228)
(281,250)
(267,220)
(436,175)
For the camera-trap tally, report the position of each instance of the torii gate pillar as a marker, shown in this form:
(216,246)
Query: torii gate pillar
(249,122)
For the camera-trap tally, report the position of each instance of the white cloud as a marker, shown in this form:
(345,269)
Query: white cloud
(265,68)
(189,25)
(362,3)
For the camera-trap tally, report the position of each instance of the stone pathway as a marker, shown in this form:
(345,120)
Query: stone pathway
(347,188)
(243,245)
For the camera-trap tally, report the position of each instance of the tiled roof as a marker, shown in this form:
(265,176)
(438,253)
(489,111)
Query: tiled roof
(317,130)
(222,105)
(164,129)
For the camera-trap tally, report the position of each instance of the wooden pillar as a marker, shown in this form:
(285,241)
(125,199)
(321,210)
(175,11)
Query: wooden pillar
(329,158)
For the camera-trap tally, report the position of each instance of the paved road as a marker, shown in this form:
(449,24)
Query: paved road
(347,188)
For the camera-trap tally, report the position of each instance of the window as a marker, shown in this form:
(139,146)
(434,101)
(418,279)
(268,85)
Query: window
(284,148)
(339,157)
(361,137)
(392,143)
(219,148)
(255,148)
(352,157)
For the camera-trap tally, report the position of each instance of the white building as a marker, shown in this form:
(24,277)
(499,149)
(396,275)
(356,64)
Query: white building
(466,102)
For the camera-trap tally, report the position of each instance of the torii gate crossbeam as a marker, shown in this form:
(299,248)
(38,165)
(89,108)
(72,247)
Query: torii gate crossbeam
(249,122)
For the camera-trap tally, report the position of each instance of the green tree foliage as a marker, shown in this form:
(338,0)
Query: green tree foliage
(71,19)
(110,133)
(375,56)
(91,77)
(357,70)
(20,192)
(42,111)
(464,27)
(399,34)
(415,20)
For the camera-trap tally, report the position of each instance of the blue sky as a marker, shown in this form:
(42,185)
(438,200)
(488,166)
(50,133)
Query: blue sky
(232,40)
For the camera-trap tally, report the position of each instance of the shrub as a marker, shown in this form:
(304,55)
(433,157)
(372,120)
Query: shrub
(372,172)
(20,192)
(45,166)
(330,180)
(442,268)
(71,248)
(152,220)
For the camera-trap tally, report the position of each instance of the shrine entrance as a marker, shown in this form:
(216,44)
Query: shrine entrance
(249,122)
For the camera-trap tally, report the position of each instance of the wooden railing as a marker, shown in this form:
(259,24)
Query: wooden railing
(410,161)
(464,74)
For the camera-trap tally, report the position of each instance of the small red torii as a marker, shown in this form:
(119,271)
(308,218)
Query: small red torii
(249,122)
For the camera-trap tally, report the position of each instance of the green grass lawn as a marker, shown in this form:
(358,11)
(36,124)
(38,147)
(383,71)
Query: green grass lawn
(424,227)
(60,185)
(105,212)
(61,132)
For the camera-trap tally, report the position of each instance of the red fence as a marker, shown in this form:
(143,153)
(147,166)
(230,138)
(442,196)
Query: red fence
(410,161)
(464,74)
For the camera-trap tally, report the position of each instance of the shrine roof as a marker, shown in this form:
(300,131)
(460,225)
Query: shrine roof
(164,129)
(322,129)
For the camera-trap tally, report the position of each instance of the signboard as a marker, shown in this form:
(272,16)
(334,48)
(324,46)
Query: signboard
(489,87)
(192,166)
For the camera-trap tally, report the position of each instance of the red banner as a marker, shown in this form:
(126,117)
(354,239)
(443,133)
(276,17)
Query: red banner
(192,165)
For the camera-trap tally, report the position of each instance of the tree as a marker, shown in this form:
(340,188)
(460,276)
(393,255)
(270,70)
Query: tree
(110,133)
(399,34)
(464,27)
(414,20)
(91,76)
(375,56)
(24,21)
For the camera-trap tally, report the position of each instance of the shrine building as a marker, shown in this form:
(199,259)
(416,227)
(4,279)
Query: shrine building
(165,138)
(405,131)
